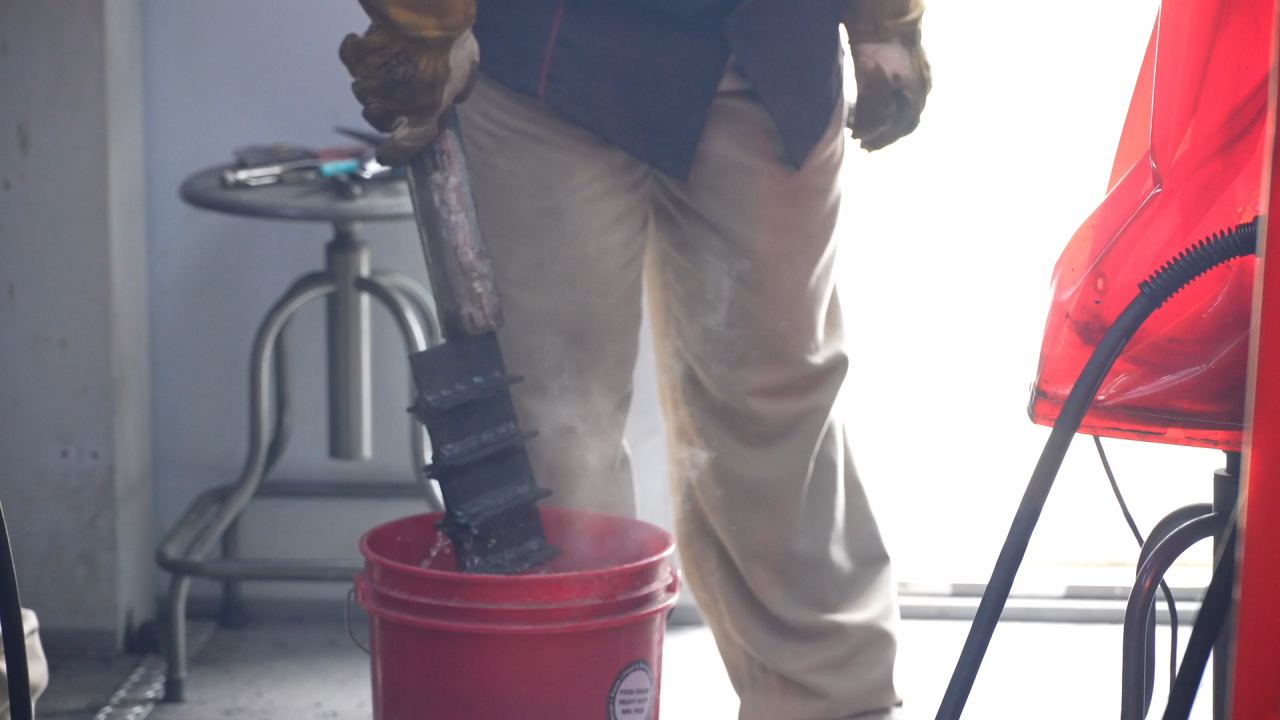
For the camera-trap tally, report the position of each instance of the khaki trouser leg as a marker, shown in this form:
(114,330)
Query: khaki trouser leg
(565,218)
(780,547)
(775,532)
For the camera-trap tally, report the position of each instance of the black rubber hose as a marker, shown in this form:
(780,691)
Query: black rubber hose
(12,632)
(1214,609)
(1152,293)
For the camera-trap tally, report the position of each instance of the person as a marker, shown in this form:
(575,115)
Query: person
(692,147)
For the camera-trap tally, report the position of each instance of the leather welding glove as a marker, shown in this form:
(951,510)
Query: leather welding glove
(416,60)
(890,67)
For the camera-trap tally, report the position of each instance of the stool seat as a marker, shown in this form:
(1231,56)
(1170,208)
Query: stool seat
(384,199)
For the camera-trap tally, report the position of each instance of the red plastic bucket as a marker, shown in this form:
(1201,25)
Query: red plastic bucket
(578,639)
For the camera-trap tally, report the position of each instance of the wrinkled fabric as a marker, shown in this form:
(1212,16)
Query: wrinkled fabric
(642,74)
(776,535)
(1189,163)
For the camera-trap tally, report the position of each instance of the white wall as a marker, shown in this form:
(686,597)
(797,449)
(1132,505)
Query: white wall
(74,396)
(221,75)
(949,243)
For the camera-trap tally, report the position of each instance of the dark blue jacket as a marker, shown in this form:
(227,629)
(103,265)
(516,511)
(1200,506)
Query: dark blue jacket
(642,74)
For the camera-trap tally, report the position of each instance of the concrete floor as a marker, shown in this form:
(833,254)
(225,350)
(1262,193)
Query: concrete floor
(308,669)
(80,686)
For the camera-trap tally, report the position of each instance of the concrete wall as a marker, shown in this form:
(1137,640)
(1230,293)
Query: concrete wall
(221,75)
(74,379)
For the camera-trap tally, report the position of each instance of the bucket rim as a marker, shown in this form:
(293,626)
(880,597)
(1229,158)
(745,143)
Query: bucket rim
(670,582)
(524,578)
(657,606)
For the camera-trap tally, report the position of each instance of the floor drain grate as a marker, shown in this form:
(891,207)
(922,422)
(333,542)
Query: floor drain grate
(137,696)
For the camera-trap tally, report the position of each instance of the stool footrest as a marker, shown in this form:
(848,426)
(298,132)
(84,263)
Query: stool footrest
(173,554)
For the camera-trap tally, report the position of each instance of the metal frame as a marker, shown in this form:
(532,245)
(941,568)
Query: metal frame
(1171,537)
(213,519)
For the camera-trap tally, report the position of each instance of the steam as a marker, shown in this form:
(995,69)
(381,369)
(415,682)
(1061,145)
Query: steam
(580,417)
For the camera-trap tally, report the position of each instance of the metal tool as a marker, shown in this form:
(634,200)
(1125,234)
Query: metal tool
(296,170)
(368,137)
(463,389)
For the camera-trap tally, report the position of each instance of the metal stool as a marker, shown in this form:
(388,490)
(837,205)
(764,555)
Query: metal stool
(347,283)
(1169,539)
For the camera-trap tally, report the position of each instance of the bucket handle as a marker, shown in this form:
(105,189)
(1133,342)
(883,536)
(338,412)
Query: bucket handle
(346,620)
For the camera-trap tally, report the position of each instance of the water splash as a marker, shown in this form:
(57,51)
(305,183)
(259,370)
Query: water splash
(442,542)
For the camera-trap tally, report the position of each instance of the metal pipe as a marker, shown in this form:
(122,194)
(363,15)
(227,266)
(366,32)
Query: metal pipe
(409,288)
(283,426)
(303,291)
(189,525)
(232,611)
(354,489)
(292,570)
(199,514)
(1162,529)
(175,677)
(404,308)
(404,314)
(461,272)
(1133,701)
(350,383)
(1214,611)
(1226,494)
(1169,523)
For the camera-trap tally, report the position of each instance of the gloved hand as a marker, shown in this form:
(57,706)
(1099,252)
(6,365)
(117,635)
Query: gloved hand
(416,60)
(890,67)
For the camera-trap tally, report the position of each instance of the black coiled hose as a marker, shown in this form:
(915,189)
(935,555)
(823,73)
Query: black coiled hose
(12,633)
(1210,620)
(1153,292)
(1197,260)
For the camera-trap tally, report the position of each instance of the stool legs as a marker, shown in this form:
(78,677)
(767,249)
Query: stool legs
(232,613)
(214,518)
(414,314)
(303,291)
(348,342)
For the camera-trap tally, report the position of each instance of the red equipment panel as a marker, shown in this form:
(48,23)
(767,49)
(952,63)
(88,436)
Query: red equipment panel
(1189,163)
(1256,675)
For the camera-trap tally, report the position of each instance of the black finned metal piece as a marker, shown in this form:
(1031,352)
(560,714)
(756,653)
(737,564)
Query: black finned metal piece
(478,456)
(463,389)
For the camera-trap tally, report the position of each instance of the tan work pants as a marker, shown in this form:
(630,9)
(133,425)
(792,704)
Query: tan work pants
(778,543)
